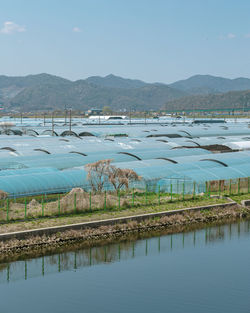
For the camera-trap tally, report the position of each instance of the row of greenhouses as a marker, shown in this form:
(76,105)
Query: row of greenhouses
(179,157)
(154,130)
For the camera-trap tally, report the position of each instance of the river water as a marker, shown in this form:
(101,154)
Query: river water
(199,271)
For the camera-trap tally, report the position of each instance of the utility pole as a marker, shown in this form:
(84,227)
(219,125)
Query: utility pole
(52,123)
(65,120)
(70,119)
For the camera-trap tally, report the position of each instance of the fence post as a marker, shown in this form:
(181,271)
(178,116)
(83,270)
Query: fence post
(159,195)
(238,186)
(171,191)
(194,191)
(206,192)
(90,200)
(146,199)
(105,200)
(59,205)
(209,190)
(219,188)
(75,202)
(248,184)
(7,209)
(178,187)
(119,199)
(230,186)
(25,208)
(133,197)
(183,191)
(42,205)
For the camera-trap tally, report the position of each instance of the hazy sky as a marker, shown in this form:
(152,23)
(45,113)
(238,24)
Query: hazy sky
(152,40)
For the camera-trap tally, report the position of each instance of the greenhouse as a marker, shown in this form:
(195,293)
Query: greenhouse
(170,155)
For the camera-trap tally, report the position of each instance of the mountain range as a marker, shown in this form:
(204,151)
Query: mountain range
(48,92)
(207,84)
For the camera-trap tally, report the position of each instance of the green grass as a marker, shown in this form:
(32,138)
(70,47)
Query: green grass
(87,216)
(48,205)
(238,198)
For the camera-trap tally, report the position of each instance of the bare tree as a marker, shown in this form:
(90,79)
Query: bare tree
(102,172)
(119,177)
(3,195)
(98,174)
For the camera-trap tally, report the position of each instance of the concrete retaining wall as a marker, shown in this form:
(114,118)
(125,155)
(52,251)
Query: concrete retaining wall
(95,224)
(245,202)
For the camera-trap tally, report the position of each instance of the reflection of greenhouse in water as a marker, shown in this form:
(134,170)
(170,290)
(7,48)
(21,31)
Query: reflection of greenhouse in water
(118,252)
(37,160)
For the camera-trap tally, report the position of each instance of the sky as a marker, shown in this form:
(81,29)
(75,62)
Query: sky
(152,40)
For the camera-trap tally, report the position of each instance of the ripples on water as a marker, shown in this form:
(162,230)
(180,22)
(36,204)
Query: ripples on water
(200,271)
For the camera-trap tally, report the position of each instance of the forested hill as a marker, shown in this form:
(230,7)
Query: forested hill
(232,99)
(207,84)
(48,92)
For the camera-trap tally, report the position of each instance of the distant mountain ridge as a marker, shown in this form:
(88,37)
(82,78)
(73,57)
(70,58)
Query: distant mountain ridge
(206,84)
(113,81)
(229,100)
(48,92)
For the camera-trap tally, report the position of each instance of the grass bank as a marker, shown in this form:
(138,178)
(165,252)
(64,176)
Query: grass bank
(92,236)
(102,214)
(239,198)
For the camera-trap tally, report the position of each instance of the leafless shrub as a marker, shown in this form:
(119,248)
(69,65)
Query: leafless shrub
(98,174)
(3,195)
(122,177)
(103,171)
(33,204)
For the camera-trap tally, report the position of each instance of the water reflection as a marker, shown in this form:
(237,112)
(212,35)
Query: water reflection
(68,261)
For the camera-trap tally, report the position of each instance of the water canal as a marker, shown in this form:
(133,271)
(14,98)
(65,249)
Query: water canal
(205,270)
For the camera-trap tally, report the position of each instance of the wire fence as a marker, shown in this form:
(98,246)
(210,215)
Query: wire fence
(79,201)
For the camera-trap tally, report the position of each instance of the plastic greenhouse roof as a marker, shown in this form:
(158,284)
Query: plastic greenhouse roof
(49,182)
(32,183)
(157,169)
(56,161)
(70,160)
(26,145)
(207,175)
(199,130)
(220,156)
(31,170)
(26,171)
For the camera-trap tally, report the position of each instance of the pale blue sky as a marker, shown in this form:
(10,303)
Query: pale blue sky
(152,40)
